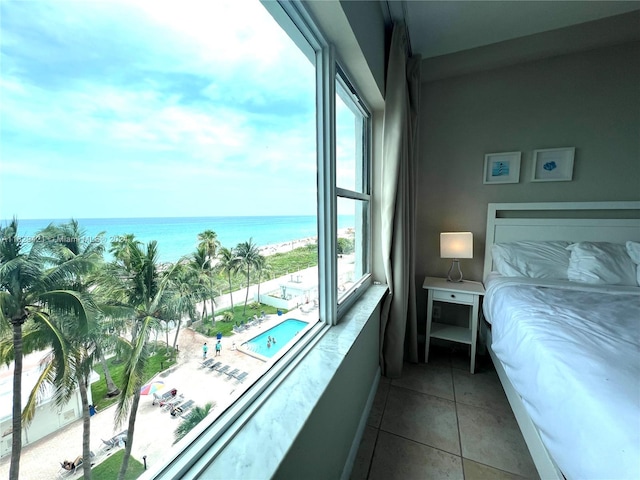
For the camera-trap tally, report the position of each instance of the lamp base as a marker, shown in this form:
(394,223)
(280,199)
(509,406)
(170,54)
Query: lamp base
(454,270)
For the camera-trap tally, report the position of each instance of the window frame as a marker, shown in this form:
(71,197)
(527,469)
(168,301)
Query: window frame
(357,104)
(200,447)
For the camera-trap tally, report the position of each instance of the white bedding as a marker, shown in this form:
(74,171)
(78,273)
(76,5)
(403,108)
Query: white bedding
(572,352)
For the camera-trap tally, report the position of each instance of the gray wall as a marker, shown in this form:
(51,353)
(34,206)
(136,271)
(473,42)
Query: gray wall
(367,23)
(589,100)
(321,449)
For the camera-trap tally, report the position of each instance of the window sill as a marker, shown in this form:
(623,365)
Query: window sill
(257,442)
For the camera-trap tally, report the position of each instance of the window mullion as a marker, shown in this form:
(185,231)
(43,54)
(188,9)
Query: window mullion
(327,225)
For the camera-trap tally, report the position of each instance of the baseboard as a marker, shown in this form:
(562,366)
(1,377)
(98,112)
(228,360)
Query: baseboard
(355,445)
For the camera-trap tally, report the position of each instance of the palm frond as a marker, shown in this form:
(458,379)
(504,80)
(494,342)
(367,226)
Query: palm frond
(134,371)
(43,383)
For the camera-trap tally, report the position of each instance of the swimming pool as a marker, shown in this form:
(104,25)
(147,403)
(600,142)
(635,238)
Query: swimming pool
(282,333)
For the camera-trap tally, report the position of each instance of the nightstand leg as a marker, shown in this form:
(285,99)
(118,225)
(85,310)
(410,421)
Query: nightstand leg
(473,324)
(428,333)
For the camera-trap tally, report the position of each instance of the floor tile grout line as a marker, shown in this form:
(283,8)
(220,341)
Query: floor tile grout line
(420,443)
(373,453)
(423,393)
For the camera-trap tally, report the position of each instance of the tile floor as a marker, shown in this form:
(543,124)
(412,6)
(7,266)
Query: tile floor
(438,421)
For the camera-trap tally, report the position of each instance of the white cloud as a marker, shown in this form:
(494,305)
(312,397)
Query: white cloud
(93,134)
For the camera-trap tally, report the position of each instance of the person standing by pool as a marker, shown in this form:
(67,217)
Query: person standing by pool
(218,348)
(205,349)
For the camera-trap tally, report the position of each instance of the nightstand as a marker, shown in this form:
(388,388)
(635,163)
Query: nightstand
(463,293)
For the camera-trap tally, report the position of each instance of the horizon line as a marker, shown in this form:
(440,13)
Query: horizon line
(157,217)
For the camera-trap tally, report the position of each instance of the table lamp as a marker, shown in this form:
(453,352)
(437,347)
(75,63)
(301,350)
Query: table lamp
(456,245)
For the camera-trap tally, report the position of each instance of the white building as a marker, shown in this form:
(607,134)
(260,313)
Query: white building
(48,417)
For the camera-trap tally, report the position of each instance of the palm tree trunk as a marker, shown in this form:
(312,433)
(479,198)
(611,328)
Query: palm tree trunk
(86,428)
(166,331)
(259,280)
(112,389)
(16,440)
(175,339)
(230,292)
(204,310)
(132,424)
(213,302)
(246,297)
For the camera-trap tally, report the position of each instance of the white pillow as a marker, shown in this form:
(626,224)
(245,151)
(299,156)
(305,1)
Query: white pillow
(633,249)
(543,259)
(601,263)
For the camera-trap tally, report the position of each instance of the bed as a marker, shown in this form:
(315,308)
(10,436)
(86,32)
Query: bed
(568,351)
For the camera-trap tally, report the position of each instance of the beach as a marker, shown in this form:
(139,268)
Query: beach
(283,247)
(178,237)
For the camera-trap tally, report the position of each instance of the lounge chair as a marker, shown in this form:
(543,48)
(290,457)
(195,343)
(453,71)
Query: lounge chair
(162,398)
(171,404)
(206,363)
(186,407)
(182,409)
(215,366)
(118,440)
(241,376)
(233,372)
(223,369)
(69,468)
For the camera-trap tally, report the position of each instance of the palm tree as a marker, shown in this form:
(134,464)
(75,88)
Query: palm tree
(194,418)
(31,292)
(136,285)
(64,242)
(229,264)
(201,268)
(210,244)
(263,267)
(107,343)
(183,297)
(121,248)
(248,254)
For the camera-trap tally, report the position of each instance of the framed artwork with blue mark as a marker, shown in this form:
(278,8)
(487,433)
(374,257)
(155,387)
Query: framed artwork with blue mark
(553,164)
(502,167)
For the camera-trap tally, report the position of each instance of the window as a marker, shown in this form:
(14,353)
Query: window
(179,117)
(352,189)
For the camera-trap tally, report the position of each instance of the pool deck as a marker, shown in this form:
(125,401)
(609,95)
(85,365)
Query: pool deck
(153,435)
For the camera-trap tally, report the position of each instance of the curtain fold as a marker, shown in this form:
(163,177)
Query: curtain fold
(399,148)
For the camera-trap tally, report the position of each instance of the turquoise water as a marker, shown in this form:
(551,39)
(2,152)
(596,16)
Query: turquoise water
(179,236)
(283,333)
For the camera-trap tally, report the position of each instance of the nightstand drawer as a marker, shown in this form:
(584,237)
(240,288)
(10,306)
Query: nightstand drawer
(453,297)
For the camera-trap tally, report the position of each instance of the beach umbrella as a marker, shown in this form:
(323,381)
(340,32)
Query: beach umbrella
(152,387)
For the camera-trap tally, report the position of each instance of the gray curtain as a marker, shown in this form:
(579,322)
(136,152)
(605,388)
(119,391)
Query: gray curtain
(399,149)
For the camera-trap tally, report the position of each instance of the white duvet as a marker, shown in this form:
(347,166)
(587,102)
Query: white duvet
(572,352)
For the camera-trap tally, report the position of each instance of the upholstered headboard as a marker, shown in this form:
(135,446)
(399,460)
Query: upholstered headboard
(573,221)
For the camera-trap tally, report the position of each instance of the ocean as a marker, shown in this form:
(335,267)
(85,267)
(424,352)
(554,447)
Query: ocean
(177,237)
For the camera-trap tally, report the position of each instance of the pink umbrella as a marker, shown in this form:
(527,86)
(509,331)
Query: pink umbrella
(152,387)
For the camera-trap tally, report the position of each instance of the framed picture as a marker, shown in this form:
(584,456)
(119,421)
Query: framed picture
(502,167)
(553,164)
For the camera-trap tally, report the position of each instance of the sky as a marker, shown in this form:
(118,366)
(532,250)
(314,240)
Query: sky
(153,109)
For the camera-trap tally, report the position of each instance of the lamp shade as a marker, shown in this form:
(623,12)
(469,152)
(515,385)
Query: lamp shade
(456,245)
